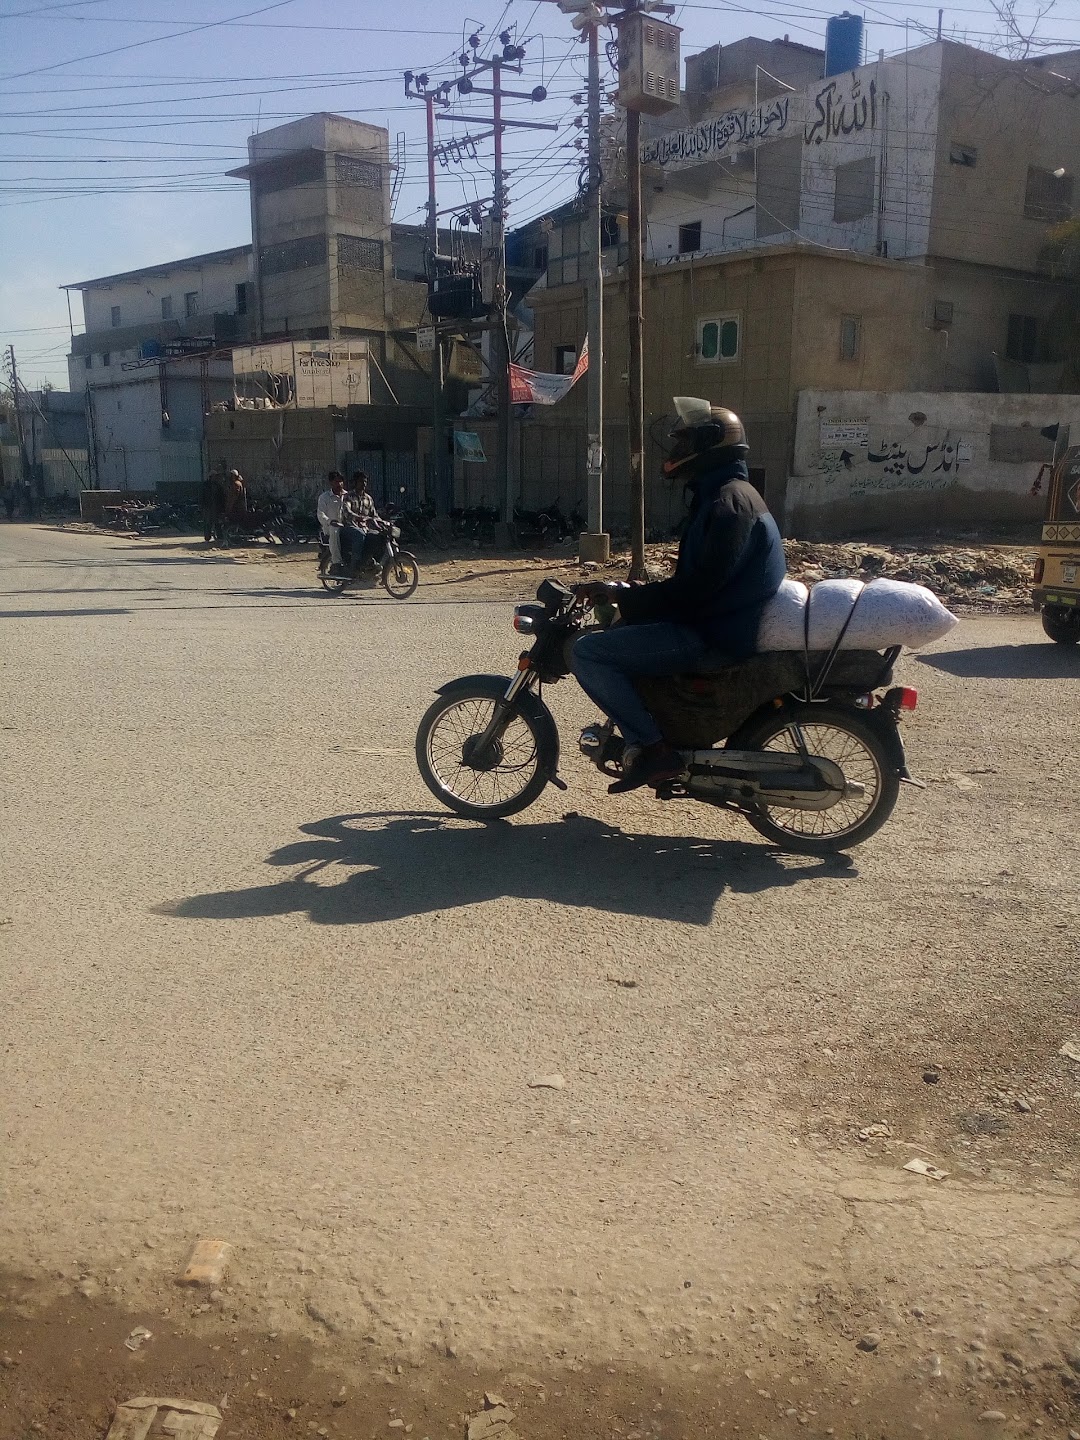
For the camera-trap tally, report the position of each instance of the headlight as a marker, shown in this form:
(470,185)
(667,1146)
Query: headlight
(395,530)
(524,624)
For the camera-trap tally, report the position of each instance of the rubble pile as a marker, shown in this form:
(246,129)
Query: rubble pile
(993,578)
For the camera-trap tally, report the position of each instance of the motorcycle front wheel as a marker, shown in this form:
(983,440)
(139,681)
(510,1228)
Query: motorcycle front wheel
(401,575)
(835,734)
(481,786)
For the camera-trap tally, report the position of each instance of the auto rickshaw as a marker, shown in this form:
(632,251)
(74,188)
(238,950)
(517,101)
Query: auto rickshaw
(1056,591)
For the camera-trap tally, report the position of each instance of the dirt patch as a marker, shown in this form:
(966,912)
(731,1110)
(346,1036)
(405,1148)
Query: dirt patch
(979,578)
(64,1368)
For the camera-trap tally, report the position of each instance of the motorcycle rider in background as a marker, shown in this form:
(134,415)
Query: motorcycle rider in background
(730,563)
(328,508)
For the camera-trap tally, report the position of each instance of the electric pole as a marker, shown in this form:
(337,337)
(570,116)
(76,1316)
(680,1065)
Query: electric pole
(649,81)
(595,544)
(440,477)
(493,233)
(24,459)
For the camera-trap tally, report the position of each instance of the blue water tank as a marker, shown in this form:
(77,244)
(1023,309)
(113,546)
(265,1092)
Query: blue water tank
(843,43)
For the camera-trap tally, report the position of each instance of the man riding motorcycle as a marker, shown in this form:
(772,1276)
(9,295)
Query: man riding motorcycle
(731,562)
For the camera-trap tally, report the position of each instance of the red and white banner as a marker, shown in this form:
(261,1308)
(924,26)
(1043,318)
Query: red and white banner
(536,387)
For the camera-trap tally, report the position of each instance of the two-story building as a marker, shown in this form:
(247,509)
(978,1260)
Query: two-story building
(879,230)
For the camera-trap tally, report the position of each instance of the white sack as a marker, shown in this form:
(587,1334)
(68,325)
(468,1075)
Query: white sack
(889,612)
(783,618)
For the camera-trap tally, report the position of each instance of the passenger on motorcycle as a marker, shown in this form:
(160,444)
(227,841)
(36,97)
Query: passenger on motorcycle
(731,562)
(328,508)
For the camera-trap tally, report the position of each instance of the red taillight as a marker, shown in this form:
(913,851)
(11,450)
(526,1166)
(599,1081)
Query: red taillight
(909,698)
(1040,567)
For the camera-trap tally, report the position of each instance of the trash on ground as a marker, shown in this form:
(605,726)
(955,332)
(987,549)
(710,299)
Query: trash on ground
(491,1424)
(553,1081)
(145,1417)
(206,1264)
(138,1337)
(877,1131)
(923,1167)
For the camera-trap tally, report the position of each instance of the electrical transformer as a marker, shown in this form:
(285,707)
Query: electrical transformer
(648,64)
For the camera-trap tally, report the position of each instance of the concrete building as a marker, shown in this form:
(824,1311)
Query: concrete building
(944,157)
(879,231)
(156,353)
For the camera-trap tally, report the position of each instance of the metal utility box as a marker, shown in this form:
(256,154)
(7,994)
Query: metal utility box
(649,64)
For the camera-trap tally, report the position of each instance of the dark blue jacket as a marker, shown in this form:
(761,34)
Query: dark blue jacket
(731,561)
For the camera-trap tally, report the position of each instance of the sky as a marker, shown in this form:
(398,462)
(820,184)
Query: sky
(121,117)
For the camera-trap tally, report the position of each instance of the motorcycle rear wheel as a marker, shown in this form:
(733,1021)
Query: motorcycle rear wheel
(512,777)
(401,575)
(837,734)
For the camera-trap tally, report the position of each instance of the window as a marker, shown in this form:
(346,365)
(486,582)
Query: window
(241,299)
(943,312)
(566,357)
(293,255)
(114,316)
(853,197)
(290,171)
(1022,342)
(106,358)
(362,173)
(609,231)
(88,361)
(850,335)
(540,258)
(1048,196)
(356,252)
(690,238)
(191,303)
(166,307)
(718,340)
(965,155)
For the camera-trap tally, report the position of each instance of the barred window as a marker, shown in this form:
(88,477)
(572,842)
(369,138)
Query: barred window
(1048,195)
(365,174)
(354,252)
(293,255)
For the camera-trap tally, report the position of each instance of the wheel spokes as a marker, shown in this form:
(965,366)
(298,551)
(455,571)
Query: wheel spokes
(514,768)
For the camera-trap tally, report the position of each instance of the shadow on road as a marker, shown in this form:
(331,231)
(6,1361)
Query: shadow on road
(1045,661)
(59,614)
(395,865)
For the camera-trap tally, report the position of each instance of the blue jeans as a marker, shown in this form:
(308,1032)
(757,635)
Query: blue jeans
(605,660)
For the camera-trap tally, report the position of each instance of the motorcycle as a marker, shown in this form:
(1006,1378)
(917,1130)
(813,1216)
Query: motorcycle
(398,570)
(812,756)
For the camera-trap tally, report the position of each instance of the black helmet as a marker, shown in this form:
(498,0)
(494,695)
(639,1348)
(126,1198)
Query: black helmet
(703,429)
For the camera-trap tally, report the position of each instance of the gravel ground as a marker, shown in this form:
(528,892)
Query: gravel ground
(255,988)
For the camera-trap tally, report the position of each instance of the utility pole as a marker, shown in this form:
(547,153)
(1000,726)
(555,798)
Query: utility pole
(595,543)
(635,321)
(494,237)
(24,459)
(439,457)
(649,81)
(500,335)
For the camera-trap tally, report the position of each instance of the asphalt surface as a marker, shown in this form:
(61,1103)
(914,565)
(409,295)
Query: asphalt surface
(256,987)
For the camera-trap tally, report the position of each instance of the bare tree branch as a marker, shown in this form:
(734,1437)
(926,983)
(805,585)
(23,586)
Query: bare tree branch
(1013,38)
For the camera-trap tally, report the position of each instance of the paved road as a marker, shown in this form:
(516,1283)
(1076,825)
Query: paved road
(256,988)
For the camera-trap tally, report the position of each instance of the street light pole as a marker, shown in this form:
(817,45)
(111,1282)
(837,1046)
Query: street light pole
(595,544)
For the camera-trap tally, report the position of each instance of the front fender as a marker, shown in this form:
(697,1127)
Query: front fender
(527,703)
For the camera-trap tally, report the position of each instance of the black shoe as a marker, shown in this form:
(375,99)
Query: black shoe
(654,765)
